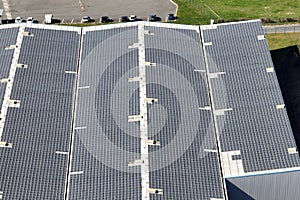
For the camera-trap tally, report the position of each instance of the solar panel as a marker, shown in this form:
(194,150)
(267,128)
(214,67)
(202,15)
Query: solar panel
(8,36)
(181,165)
(108,93)
(248,105)
(39,129)
(104,142)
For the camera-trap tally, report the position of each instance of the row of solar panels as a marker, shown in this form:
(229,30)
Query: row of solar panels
(71,104)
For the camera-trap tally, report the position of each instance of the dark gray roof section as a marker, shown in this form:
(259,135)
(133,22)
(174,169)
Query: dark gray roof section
(8,36)
(41,126)
(2,92)
(252,124)
(268,187)
(180,166)
(104,142)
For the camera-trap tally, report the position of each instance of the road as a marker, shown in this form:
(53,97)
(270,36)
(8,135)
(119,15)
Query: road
(69,10)
(282,29)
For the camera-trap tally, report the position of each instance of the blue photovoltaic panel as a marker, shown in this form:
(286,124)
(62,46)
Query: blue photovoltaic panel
(8,36)
(180,166)
(254,126)
(41,126)
(104,142)
(2,92)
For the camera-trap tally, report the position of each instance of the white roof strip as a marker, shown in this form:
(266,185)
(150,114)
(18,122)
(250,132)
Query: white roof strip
(143,112)
(54,27)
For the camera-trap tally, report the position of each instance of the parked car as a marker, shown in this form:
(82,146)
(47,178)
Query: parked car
(18,20)
(87,19)
(31,20)
(153,18)
(172,17)
(132,18)
(124,19)
(106,19)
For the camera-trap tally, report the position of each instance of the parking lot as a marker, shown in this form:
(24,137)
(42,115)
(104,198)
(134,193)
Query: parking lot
(73,10)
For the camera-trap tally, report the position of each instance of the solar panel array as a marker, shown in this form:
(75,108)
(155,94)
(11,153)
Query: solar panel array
(255,122)
(8,37)
(41,126)
(104,142)
(180,166)
(77,130)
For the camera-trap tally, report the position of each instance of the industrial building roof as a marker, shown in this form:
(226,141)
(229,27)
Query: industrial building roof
(140,111)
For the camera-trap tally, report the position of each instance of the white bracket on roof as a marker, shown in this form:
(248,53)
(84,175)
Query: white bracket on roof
(199,70)
(205,108)
(62,152)
(280,107)
(21,65)
(153,142)
(134,118)
(292,150)
(216,74)
(150,64)
(76,173)
(134,79)
(211,150)
(27,34)
(5,145)
(83,87)
(155,191)
(135,163)
(222,111)
(14,103)
(151,100)
(207,43)
(11,47)
(4,80)
(135,45)
(147,32)
(261,37)
(80,127)
(70,72)
(270,69)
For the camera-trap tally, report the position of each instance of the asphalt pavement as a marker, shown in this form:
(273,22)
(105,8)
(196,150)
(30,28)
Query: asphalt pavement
(294,28)
(74,10)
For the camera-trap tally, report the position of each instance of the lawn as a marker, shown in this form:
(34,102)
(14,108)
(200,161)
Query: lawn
(200,12)
(278,41)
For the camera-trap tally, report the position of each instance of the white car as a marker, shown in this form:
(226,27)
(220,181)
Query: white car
(86,19)
(132,18)
(18,20)
(30,20)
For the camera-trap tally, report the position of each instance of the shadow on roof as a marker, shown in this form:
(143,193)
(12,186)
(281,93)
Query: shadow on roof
(287,66)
